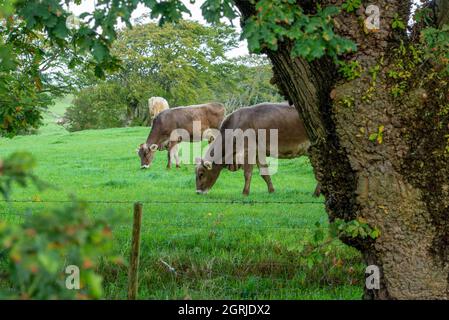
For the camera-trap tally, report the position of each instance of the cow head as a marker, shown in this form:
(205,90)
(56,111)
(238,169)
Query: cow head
(206,175)
(146,154)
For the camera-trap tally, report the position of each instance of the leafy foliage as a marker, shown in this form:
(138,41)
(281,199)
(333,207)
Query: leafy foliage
(377,136)
(178,61)
(214,10)
(351,5)
(312,34)
(247,82)
(350,70)
(6,8)
(33,255)
(34,38)
(101,106)
(436,45)
(35,33)
(21,95)
(354,229)
(401,73)
(324,241)
(423,15)
(397,23)
(39,250)
(18,168)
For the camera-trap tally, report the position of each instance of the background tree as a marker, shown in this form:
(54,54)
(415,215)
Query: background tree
(34,39)
(84,45)
(245,81)
(177,61)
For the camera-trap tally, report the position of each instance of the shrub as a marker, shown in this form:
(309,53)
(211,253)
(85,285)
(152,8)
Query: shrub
(39,250)
(97,107)
(34,255)
(18,168)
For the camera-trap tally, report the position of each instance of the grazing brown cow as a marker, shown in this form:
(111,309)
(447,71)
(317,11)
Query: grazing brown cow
(292,142)
(209,115)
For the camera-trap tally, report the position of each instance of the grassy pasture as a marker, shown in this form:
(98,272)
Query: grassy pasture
(235,251)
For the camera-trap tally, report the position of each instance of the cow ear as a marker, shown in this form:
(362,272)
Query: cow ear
(153,147)
(208,165)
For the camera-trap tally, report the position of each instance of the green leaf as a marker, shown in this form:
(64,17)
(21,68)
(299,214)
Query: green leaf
(310,263)
(60,30)
(94,285)
(48,261)
(351,5)
(373,137)
(99,51)
(397,23)
(375,233)
(99,72)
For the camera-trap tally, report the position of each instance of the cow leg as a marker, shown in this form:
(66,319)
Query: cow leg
(317,192)
(176,155)
(268,182)
(248,172)
(266,177)
(170,148)
(173,154)
(169,159)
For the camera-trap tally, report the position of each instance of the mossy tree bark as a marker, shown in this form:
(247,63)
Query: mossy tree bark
(399,182)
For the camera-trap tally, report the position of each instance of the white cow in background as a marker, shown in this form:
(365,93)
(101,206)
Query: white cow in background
(156,105)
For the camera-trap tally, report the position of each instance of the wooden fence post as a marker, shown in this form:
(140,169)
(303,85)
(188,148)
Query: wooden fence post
(133,276)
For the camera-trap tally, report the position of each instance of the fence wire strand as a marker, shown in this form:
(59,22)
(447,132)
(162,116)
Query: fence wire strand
(250,202)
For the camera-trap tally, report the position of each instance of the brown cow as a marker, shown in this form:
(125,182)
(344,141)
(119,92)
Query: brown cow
(292,142)
(209,115)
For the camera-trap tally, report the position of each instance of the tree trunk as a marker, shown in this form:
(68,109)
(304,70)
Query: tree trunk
(397,181)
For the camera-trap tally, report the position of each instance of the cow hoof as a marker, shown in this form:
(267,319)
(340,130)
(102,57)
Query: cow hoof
(178,166)
(270,190)
(245,193)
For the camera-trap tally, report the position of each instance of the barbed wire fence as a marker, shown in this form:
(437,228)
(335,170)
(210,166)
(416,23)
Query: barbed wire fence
(247,202)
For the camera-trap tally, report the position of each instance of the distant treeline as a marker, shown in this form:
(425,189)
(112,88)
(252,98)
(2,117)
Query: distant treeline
(185,63)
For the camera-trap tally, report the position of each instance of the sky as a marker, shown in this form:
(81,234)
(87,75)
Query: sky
(88,6)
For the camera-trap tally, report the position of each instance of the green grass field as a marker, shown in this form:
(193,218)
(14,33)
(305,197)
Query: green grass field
(219,251)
